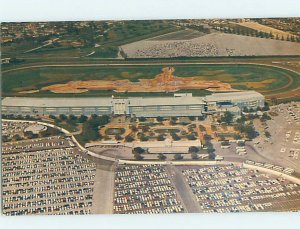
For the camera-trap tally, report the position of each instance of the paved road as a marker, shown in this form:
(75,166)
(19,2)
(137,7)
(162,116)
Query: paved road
(186,195)
(103,192)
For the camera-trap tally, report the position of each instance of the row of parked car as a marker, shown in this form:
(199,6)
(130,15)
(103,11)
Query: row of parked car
(224,188)
(50,178)
(144,189)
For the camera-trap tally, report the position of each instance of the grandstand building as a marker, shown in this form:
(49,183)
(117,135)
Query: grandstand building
(179,105)
(249,99)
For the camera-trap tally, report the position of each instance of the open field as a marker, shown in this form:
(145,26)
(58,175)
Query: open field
(266,29)
(214,44)
(266,79)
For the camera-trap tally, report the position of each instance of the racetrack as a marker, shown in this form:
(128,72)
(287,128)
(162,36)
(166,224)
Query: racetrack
(272,81)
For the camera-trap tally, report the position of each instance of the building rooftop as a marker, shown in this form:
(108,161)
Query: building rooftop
(87,102)
(133,101)
(241,95)
(55,102)
(152,101)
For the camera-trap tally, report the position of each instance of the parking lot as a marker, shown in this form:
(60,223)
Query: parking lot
(230,188)
(144,189)
(56,181)
(10,129)
(53,142)
(283,146)
(46,176)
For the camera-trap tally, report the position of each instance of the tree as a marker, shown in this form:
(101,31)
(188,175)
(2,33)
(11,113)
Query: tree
(28,117)
(52,117)
(174,119)
(245,109)
(82,119)
(118,137)
(251,110)
(161,157)
(194,156)
(250,132)
(96,120)
(138,157)
(142,119)
(159,119)
(63,117)
(213,128)
(225,143)
(265,117)
(29,134)
(201,118)
(52,131)
(224,126)
(191,137)
(192,118)
(129,138)
(175,137)
(267,134)
(19,117)
(227,117)
(271,35)
(138,150)
(144,138)
(178,157)
(161,137)
(202,128)
(90,128)
(241,143)
(172,123)
(193,149)
(145,128)
(5,138)
(212,156)
(237,137)
(222,138)
(72,117)
(17,137)
(133,128)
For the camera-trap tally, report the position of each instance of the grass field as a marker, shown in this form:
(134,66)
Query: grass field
(117,33)
(268,80)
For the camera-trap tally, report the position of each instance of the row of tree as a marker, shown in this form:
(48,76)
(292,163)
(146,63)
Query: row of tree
(256,33)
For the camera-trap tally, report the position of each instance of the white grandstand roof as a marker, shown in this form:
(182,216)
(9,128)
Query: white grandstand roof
(152,101)
(133,101)
(55,102)
(241,95)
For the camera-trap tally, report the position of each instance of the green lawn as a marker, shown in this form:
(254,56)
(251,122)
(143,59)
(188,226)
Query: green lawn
(114,131)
